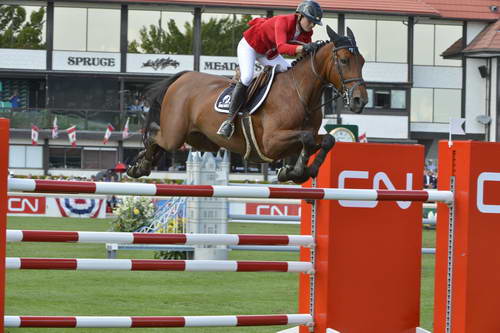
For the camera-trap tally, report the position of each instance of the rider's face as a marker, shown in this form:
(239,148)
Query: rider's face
(306,24)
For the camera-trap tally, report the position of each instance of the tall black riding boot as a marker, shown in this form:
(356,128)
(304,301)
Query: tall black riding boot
(238,97)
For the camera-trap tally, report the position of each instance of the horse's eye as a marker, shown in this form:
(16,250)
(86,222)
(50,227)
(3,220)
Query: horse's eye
(344,61)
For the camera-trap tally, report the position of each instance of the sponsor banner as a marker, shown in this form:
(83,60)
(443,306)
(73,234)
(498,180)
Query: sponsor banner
(222,65)
(159,63)
(26,205)
(264,208)
(86,61)
(33,205)
(23,59)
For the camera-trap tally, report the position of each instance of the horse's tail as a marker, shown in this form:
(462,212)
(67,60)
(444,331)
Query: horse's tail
(154,96)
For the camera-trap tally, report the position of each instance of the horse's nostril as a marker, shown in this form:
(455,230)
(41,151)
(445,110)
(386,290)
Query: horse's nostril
(356,100)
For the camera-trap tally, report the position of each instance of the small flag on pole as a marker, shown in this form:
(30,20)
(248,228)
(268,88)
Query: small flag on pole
(34,134)
(72,135)
(363,138)
(457,127)
(55,129)
(125,133)
(107,135)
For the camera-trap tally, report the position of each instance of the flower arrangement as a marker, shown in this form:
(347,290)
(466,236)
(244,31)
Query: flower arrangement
(132,214)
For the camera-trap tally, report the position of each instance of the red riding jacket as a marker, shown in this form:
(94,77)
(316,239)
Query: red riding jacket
(272,36)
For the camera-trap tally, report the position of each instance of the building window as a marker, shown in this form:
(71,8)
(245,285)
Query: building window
(176,28)
(99,158)
(87,32)
(65,158)
(435,105)
(447,104)
(26,157)
(29,21)
(384,98)
(379,40)
(366,38)
(431,40)
(392,41)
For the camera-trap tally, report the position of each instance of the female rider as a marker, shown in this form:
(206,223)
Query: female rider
(265,41)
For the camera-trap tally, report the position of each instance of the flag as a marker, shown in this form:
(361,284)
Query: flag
(107,135)
(457,126)
(322,129)
(55,129)
(72,135)
(363,138)
(125,133)
(34,134)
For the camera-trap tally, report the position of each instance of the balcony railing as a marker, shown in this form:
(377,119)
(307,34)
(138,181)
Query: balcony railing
(84,119)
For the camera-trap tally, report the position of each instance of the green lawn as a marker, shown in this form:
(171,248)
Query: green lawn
(115,293)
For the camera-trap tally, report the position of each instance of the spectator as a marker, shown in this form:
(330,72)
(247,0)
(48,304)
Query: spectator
(136,106)
(430,180)
(14,100)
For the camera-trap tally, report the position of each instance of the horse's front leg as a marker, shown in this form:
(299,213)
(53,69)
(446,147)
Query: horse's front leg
(292,141)
(326,143)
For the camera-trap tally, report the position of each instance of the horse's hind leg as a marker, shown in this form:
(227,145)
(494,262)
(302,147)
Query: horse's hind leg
(147,158)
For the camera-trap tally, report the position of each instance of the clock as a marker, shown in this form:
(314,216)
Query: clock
(343,134)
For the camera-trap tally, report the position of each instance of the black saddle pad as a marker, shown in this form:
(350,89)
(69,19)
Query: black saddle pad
(224,99)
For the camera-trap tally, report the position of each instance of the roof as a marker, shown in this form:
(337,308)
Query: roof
(447,9)
(407,7)
(466,9)
(455,50)
(487,41)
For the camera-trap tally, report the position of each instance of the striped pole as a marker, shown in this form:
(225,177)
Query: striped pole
(159,265)
(163,321)
(150,238)
(61,186)
(4,164)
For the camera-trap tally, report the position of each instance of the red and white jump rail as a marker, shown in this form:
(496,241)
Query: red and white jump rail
(177,321)
(158,265)
(150,238)
(61,186)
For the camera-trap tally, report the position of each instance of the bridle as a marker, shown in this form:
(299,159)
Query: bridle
(345,92)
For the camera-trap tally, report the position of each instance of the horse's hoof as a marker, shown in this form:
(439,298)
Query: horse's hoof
(283,174)
(132,171)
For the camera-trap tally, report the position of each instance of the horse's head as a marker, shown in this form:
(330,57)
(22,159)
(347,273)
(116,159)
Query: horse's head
(346,64)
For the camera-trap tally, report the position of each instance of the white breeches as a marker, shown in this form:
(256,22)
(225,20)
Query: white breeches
(247,56)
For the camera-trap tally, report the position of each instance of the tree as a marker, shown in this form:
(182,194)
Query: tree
(220,37)
(17,32)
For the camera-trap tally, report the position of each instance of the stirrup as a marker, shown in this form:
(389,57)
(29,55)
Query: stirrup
(226,130)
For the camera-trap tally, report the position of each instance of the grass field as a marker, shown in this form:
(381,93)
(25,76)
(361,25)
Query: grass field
(115,293)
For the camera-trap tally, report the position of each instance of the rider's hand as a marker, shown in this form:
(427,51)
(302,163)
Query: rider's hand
(309,48)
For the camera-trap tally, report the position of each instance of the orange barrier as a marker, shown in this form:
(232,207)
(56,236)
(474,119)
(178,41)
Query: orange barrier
(470,260)
(368,254)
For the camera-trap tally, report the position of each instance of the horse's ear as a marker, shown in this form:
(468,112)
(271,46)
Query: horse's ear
(350,34)
(332,34)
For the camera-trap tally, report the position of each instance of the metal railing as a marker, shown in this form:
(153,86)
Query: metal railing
(84,119)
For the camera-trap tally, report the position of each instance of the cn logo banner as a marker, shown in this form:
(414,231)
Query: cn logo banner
(378,180)
(25,205)
(482,181)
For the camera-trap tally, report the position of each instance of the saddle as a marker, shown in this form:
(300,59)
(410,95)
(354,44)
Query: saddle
(257,91)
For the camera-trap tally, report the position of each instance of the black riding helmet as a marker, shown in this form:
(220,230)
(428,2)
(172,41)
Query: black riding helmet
(312,10)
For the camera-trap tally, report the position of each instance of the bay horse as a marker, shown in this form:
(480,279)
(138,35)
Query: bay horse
(286,125)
